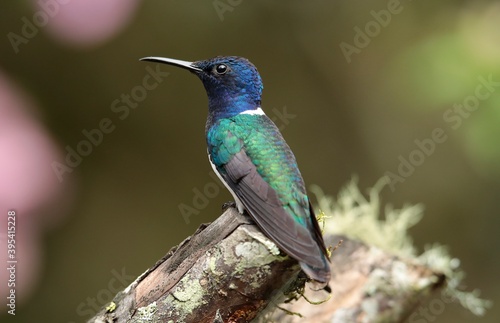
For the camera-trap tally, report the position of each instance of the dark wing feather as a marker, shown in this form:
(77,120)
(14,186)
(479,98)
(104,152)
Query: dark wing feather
(264,206)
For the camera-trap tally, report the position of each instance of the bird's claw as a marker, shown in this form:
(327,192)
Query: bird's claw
(227,205)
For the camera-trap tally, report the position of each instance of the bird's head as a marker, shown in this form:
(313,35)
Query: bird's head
(233,84)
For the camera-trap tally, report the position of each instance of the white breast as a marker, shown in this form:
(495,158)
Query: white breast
(239,205)
(257,111)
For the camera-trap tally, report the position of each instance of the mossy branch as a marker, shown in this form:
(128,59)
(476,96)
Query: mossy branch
(229,271)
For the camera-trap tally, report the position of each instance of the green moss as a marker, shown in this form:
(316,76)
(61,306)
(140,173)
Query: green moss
(187,296)
(360,218)
(252,254)
(189,292)
(111,307)
(146,313)
(212,263)
(251,258)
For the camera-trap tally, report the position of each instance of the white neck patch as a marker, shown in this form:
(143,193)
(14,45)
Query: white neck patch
(257,111)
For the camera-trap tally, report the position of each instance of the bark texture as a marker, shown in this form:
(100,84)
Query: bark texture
(368,285)
(229,271)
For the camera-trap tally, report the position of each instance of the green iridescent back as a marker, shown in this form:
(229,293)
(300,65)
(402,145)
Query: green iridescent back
(267,149)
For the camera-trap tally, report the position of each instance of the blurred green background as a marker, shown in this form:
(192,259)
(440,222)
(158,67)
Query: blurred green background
(362,85)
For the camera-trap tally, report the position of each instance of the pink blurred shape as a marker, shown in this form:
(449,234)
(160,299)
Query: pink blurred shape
(27,185)
(86,22)
(27,181)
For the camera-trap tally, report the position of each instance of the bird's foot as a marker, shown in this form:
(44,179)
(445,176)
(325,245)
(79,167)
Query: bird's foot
(228,205)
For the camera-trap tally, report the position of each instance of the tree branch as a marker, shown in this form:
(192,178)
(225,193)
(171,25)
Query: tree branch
(229,271)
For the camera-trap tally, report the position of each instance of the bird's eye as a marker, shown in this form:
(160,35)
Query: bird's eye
(221,69)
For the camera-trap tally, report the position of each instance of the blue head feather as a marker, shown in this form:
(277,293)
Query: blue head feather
(233,85)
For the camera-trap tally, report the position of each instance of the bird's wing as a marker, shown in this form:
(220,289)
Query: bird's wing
(264,206)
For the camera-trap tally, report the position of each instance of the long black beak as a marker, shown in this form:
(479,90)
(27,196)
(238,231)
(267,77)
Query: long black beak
(170,61)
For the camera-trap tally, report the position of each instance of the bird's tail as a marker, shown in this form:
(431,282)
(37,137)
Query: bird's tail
(319,275)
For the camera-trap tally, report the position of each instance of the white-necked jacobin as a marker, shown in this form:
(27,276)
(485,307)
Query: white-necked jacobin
(250,156)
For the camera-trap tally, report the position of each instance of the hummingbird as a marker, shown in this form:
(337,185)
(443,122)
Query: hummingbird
(249,155)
